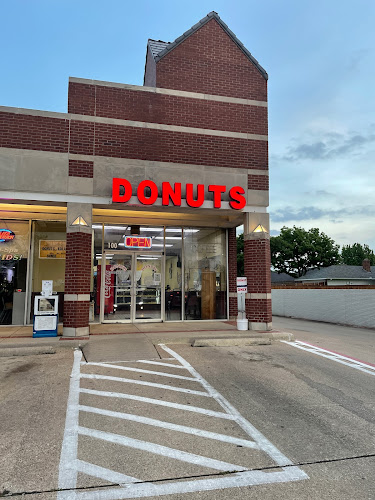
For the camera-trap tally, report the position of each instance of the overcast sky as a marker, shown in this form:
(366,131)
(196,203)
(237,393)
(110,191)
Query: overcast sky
(319,56)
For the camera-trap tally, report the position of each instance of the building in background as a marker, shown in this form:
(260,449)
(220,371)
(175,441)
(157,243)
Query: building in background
(130,201)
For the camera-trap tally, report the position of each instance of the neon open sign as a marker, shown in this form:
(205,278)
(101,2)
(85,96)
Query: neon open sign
(6,235)
(137,242)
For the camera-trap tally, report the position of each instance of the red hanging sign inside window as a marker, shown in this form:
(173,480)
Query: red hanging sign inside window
(138,242)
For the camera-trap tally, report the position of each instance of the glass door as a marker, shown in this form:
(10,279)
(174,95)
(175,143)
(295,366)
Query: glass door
(117,284)
(131,287)
(148,287)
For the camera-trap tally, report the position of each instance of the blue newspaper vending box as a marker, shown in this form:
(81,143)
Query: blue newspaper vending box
(46,318)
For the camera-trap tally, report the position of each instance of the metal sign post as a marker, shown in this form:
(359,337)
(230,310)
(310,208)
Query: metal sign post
(242,323)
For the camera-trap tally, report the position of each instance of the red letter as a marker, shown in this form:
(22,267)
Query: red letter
(116,185)
(217,190)
(189,195)
(236,194)
(141,192)
(174,195)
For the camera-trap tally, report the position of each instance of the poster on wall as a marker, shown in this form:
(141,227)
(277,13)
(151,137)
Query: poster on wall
(52,249)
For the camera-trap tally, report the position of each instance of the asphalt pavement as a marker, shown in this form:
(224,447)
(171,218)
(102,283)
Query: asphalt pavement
(138,420)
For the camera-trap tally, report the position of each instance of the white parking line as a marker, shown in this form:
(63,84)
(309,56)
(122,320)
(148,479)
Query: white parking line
(158,449)
(132,487)
(168,425)
(333,356)
(141,382)
(103,473)
(140,370)
(177,406)
(247,478)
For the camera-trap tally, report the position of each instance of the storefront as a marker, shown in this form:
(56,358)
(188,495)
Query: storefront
(130,202)
(159,274)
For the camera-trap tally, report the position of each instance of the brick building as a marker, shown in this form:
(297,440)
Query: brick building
(130,201)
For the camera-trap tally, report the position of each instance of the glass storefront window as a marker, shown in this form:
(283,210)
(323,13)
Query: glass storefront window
(95,281)
(173,274)
(205,274)
(49,250)
(14,252)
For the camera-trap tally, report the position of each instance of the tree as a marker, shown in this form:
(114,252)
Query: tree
(296,250)
(240,249)
(353,255)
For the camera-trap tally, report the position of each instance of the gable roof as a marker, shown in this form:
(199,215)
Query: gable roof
(280,277)
(160,49)
(157,46)
(340,271)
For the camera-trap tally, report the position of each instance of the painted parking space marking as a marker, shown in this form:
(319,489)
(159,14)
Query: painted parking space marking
(123,485)
(170,404)
(158,449)
(141,382)
(167,425)
(103,473)
(333,356)
(140,370)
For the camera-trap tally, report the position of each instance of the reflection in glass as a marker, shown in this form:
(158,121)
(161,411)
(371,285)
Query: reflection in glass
(205,273)
(173,274)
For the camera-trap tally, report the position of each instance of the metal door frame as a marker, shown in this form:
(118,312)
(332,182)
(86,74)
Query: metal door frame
(134,255)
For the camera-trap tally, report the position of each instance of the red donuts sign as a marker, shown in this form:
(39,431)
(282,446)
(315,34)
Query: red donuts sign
(122,191)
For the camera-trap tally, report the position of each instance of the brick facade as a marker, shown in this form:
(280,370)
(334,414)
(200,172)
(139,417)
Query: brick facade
(76,314)
(138,105)
(80,168)
(259,182)
(210,62)
(228,126)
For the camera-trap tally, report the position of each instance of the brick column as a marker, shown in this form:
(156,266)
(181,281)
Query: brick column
(257,263)
(77,271)
(232,273)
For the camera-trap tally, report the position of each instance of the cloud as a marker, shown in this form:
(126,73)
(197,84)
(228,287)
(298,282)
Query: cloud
(274,232)
(334,145)
(288,214)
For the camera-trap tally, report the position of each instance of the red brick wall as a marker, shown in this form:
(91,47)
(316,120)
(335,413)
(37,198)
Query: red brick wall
(159,145)
(259,310)
(78,263)
(257,265)
(76,314)
(209,61)
(143,106)
(78,168)
(260,182)
(81,138)
(81,98)
(33,132)
(232,259)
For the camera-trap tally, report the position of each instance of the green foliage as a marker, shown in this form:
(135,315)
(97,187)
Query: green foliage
(240,260)
(296,250)
(353,255)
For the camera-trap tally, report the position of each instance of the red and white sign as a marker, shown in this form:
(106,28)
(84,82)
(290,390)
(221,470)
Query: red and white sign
(6,235)
(137,242)
(242,285)
(122,191)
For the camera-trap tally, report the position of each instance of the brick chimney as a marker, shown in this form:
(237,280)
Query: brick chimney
(366,265)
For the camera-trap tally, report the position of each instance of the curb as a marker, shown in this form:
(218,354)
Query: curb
(26,351)
(263,339)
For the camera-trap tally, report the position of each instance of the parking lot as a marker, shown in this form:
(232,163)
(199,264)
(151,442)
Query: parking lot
(290,420)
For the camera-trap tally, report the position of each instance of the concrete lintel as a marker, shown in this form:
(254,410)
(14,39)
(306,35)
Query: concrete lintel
(74,297)
(258,296)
